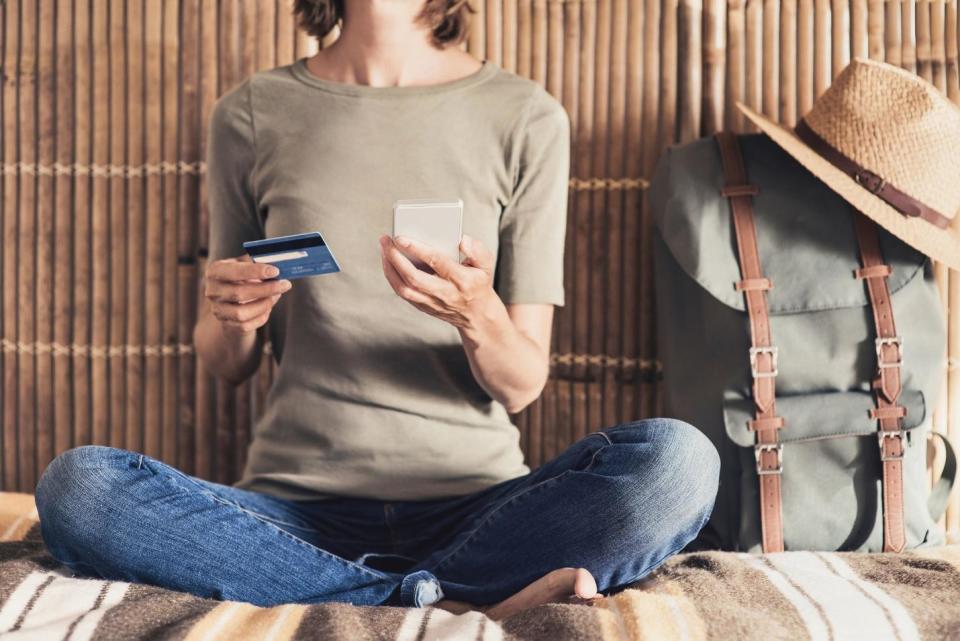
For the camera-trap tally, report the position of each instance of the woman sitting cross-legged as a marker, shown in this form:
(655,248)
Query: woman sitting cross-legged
(385,469)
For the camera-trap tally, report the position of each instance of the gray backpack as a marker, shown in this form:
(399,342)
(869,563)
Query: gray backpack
(773,326)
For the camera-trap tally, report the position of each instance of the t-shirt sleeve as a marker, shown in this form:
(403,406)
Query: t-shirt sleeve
(533,223)
(232,205)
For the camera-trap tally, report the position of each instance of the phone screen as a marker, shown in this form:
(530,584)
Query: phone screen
(435,223)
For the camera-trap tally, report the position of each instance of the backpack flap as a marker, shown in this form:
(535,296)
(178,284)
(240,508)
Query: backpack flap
(805,238)
(847,414)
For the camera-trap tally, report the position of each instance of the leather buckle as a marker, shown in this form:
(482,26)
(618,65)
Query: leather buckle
(870,181)
(882,436)
(756,351)
(889,340)
(758,451)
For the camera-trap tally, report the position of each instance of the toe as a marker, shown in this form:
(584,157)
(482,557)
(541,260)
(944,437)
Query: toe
(584,586)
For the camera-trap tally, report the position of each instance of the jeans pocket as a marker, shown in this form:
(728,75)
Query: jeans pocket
(591,451)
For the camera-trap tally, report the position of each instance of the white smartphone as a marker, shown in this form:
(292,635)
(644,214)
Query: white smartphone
(435,223)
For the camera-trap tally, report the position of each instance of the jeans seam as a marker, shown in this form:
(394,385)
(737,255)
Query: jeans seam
(498,509)
(204,489)
(357,568)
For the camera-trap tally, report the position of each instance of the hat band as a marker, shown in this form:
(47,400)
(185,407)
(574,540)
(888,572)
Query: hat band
(876,185)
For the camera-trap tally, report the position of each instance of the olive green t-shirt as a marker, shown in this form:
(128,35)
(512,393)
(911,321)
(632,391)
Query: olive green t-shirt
(372,397)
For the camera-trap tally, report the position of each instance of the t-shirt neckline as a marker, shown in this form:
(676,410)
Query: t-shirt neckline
(302,73)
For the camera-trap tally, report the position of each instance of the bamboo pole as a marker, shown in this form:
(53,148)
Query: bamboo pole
(840,38)
(690,83)
(476,41)
(599,216)
(859,44)
(736,63)
(636,236)
(893,50)
(286,28)
(524,37)
(26,330)
(266,29)
(669,44)
(554,52)
(938,47)
(951,46)
(908,35)
(875,27)
(10,250)
(509,61)
(822,54)
(615,252)
(208,92)
(564,322)
(753,56)
(136,240)
(788,62)
(771,59)
(651,83)
(651,149)
(100,227)
(583,166)
(806,47)
(153,267)
(714,66)
(924,53)
(538,66)
(494,31)
(118,254)
(44,250)
(170,117)
(543,415)
(189,126)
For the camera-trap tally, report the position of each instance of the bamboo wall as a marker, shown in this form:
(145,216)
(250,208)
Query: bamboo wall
(104,105)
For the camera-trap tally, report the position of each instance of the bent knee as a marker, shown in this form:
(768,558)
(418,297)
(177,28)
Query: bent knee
(77,484)
(676,459)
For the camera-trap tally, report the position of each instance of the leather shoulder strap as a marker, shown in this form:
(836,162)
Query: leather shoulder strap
(887,384)
(763,354)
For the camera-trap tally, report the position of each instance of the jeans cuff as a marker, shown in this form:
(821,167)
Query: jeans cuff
(420,589)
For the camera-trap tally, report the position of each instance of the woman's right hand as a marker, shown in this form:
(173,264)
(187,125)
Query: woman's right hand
(241,298)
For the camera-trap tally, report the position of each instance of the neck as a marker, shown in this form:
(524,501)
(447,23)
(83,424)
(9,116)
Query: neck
(381,43)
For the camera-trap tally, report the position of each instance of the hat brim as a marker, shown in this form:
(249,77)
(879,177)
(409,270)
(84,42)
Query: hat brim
(940,244)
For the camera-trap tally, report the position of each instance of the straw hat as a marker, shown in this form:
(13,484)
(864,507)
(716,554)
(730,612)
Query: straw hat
(889,143)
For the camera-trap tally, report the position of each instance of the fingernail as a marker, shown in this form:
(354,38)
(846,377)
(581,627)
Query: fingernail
(285,286)
(272,272)
(403,241)
(467,243)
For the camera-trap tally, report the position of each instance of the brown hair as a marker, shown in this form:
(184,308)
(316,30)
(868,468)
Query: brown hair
(447,19)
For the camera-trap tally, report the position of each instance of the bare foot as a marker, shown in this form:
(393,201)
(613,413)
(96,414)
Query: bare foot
(569,585)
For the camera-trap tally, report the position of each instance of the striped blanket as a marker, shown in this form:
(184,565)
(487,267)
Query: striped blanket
(796,595)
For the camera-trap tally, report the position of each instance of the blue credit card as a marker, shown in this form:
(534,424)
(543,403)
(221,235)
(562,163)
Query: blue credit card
(296,256)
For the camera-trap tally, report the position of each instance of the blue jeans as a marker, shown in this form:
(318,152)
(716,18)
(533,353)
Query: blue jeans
(617,502)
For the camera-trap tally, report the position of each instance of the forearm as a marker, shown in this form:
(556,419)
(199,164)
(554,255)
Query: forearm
(509,365)
(232,356)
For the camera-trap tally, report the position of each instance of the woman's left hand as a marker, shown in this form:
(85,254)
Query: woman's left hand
(460,294)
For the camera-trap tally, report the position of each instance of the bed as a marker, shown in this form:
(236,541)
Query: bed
(713,595)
